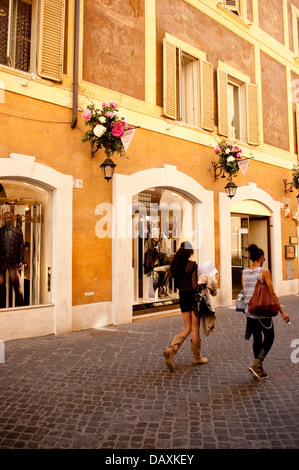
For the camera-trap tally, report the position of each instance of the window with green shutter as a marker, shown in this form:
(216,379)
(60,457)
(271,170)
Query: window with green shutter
(32,36)
(237,108)
(187,87)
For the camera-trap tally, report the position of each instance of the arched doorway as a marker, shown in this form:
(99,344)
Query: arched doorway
(250,223)
(125,188)
(248,193)
(51,311)
(162,219)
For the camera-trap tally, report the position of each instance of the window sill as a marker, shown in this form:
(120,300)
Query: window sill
(25,307)
(237,18)
(184,125)
(24,78)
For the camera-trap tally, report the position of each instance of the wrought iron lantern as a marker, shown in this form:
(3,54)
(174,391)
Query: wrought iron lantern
(108,167)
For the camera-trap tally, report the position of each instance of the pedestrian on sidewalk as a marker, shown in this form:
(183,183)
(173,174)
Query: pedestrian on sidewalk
(262,328)
(184,273)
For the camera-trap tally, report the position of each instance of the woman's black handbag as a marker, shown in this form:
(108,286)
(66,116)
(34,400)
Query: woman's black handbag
(202,306)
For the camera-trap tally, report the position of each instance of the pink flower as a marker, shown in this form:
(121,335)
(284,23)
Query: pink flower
(117,129)
(105,104)
(109,114)
(216,149)
(114,104)
(86,114)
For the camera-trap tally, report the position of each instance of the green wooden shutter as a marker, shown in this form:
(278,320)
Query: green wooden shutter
(222,103)
(51,45)
(206,95)
(252,115)
(169,80)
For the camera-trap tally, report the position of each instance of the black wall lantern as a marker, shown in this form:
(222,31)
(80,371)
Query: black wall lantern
(108,167)
(230,189)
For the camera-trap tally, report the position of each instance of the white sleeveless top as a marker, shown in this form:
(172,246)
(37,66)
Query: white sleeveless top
(250,278)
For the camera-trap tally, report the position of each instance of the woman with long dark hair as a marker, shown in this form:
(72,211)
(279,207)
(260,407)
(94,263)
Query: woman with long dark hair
(261,327)
(184,273)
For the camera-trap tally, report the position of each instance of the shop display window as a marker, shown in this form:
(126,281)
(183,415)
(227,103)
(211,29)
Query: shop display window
(25,244)
(162,219)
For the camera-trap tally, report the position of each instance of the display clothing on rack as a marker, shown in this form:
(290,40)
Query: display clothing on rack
(12,250)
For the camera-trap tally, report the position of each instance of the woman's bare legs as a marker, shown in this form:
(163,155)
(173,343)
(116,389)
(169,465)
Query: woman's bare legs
(196,342)
(178,340)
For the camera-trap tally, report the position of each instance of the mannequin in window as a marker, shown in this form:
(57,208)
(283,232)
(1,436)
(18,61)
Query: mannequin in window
(11,258)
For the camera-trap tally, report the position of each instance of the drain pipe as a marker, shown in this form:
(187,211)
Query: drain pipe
(76,65)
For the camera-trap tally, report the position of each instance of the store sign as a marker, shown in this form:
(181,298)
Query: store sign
(17,218)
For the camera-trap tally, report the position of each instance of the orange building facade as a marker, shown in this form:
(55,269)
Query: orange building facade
(185,73)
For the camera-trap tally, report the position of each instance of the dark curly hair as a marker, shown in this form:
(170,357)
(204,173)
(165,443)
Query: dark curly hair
(255,252)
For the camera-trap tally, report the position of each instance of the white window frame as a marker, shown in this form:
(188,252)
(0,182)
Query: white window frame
(245,88)
(47,38)
(241,98)
(34,29)
(239,12)
(203,109)
(188,107)
(295,20)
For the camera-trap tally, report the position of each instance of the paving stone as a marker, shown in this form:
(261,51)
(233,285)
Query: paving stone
(109,388)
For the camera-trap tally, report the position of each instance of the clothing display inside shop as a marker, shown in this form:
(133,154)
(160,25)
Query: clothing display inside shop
(160,217)
(12,250)
(157,264)
(26,215)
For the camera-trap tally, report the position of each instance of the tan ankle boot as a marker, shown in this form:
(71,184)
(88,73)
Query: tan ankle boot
(176,343)
(256,369)
(196,348)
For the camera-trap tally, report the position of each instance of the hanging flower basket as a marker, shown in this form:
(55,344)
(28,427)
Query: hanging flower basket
(229,156)
(295,173)
(107,128)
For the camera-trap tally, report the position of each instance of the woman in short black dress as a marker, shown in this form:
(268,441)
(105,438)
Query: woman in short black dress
(184,273)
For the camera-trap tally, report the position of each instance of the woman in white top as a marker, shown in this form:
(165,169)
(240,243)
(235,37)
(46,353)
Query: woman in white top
(262,328)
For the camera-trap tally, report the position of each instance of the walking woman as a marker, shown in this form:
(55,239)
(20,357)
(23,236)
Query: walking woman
(184,273)
(262,328)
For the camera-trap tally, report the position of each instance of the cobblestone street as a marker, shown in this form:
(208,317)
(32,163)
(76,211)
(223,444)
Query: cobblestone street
(109,388)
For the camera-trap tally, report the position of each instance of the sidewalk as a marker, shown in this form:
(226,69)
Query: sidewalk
(109,388)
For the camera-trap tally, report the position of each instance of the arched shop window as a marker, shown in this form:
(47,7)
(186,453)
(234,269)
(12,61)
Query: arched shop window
(162,219)
(25,244)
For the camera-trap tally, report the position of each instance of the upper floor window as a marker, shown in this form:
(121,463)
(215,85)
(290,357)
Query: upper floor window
(237,108)
(234,6)
(25,24)
(295,26)
(188,86)
(237,7)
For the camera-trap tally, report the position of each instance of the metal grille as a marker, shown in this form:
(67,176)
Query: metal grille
(4,9)
(20,34)
(23,37)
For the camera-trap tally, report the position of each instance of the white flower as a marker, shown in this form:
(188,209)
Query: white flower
(99,130)
(116,113)
(102,119)
(230,159)
(227,151)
